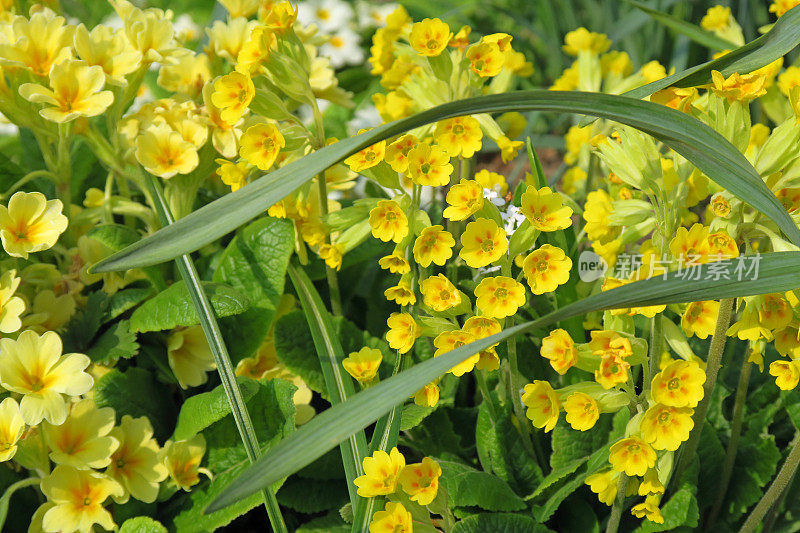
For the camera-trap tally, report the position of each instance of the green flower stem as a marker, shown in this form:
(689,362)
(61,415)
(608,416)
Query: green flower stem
(619,502)
(779,484)
(733,444)
(656,346)
(333,279)
(208,321)
(775,510)
(26,179)
(712,369)
(480,378)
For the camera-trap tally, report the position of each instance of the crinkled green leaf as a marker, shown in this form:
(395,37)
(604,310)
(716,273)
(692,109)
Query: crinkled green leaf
(142,524)
(468,487)
(117,342)
(499,523)
(310,497)
(201,410)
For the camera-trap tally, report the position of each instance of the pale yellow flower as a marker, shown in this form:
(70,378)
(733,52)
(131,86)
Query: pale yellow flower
(190,356)
(182,459)
(78,497)
(136,464)
(10,306)
(83,440)
(30,223)
(164,152)
(110,50)
(11,427)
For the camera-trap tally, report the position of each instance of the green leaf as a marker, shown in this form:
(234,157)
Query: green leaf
(126,299)
(5,499)
(173,307)
(84,325)
(756,463)
(557,475)
(499,523)
(116,237)
(779,41)
(680,26)
(309,497)
(680,511)
(331,523)
(468,487)
(142,524)
(201,410)
(294,347)
(570,444)
(777,273)
(136,392)
(117,342)
(704,147)
(413,415)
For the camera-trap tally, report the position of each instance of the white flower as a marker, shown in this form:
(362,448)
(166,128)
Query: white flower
(512,218)
(343,48)
(329,15)
(365,117)
(371,15)
(186,29)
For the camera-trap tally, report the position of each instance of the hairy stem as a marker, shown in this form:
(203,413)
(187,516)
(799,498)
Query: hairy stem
(619,502)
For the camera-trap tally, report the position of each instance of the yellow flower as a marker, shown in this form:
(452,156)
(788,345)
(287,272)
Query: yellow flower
(632,455)
(492,181)
(790,198)
(363,365)
(10,306)
(596,213)
(439,294)
(582,411)
(788,80)
(380,473)
(774,312)
(421,480)
(261,144)
(233,174)
(34,367)
(396,263)
(135,464)
(480,327)
(163,152)
(787,374)
(459,136)
(485,59)
(189,356)
(150,31)
(545,209)
(546,268)
(83,440)
(665,427)
(448,341)
(427,396)
(78,497)
(722,246)
(396,154)
(429,165)
(716,18)
(232,95)
(680,98)
(680,384)
(279,18)
(700,318)
(75,91)
(749,326)
(648,509)
(560,349)
(108,49)
(227,40)
(464,200)
(500,296)
(187,76)
(691,247)
(331,254)
(401,293)
(240,8)
(388,221)
(582,40)
(542,403)
(393,519)
(429,37)
(30,223)
(434,245)
(256,50)
(787,341)
(613,370)
(604,484)
(11,427)
(651,484)
(182,460)
(367,158)
(508,148)
(37,43)
(403,331)
(609,342)
(738,88)
(780,7)
(482,243)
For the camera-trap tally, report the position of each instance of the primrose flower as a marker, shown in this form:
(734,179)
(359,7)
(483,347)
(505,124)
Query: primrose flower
(34,367)
(367,158)
(396,154)
(240,8)
(232,95)
(609,342)
(189,356)
(403,331)
(427,396)
(780,7)
(396,263)
(280,17)
(401,293)
(700,318)
(448,341)
(774,312)
(363,365)
(233,174)
(480,327)
(739,88)
(459,136)
(227,39)
(648,509)
(393,519)
(439,294)
(429,37)
(135,464)
(108,49)
(30,223)
(612,372)
(546,268)
(500,296)
(787,341)
(542,403)
(75,91)
(485,59)
(604,484)
(582,411)
(182,460)
(632,455)
(722,246)
(596,213)
(463,200)
(163,152)
(388,221)
(665,427)
(582,40)
(429,165)
(560,349)
(691,247)
(787,374)
(78,497)
(380,473)
(679,384)
(331,254)
(421,480)
(83,440)
(650,484)
(11,427)
(38,43)
(492,181)
(716,18)
(434,245)
(261,144)
(545,209)
(10,306)
(482,243)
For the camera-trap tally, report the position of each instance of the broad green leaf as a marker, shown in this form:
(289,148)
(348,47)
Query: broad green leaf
(570,444)
(695,33)
(142,524)
(413,415)
(331,523)
(595,462)
(124,300)
(116,237)
(174,307)
(557,475)
(201,410)
(85,323)
(5,499)
(499,523)
(777,273)
(779,41)
(117,342)
(467,487)
(756,463)
(294,347)
(310,497)
(711,455)
(680,511)
(705,148)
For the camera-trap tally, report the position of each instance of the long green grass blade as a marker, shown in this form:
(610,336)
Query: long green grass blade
(339,386)
(208,322)
(777,272)
(779,41)
(705,148)
(695,33)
